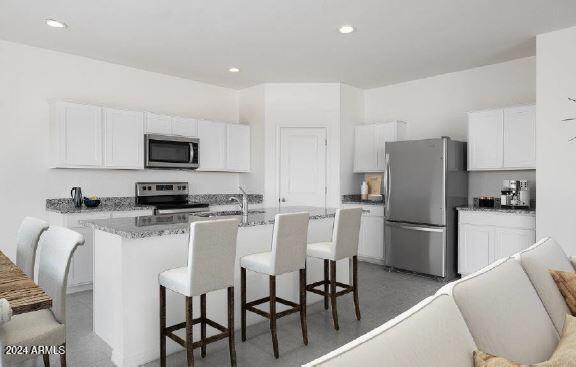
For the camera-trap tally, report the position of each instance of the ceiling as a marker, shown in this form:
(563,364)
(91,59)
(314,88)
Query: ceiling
(290,41)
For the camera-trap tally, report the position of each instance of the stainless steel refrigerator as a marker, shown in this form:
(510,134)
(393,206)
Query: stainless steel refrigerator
(424,181)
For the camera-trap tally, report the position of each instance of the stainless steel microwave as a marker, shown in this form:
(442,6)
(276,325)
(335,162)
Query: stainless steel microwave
(171,152)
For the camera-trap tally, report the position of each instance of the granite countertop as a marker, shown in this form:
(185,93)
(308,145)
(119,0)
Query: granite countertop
(108,204)
(162,225)
(531,212)
(356,199)
(128,203)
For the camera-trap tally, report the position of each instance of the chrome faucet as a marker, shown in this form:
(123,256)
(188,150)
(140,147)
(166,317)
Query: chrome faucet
(244,203)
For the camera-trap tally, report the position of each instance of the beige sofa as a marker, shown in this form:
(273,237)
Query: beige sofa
(511,308)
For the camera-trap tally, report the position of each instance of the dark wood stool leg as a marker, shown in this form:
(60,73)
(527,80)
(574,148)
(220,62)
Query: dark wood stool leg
(63,357)
(243,302)
(326,280)
(162,326)
(333,293)
(303,305)
(189,324)
(231,344)
(273,315)
(355,285)
(46,358)
(203,323)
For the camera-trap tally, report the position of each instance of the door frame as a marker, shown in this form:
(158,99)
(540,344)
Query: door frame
(279,157)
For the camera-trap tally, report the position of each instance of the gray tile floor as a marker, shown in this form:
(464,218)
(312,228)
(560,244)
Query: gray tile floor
(383,295)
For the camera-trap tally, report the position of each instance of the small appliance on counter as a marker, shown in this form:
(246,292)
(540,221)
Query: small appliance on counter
(76,195)
(167,197)
(515,194)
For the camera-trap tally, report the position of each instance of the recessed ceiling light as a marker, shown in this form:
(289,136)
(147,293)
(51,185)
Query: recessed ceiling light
(234,70)
(345,29)
(55,24)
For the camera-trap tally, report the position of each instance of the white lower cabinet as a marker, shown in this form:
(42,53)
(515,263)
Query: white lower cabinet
(80,275)
(485,237)
(371,239)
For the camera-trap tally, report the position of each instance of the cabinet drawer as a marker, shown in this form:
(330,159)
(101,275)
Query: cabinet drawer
(72,220)
(367,210)
(497,219)
(131,213)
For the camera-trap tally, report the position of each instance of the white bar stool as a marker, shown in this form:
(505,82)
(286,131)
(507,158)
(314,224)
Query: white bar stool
(288,254)
(344,244)
(211,257)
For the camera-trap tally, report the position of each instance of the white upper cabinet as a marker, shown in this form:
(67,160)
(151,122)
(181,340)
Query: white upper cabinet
(185,126)
(158,124)
(520,137)
(171,125)
(502,139)
(369,144)
(213,145)
(485,147)
(238,153)
(76,133)
(124,139)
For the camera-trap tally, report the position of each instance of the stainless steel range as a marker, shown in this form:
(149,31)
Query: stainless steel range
(167,197)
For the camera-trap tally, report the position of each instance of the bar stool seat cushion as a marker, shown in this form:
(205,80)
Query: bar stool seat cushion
(177,280)
(32,328)
(262,262)
(320,250)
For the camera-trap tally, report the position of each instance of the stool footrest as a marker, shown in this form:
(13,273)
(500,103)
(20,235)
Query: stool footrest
(294,307)
(312,288)
(169,332)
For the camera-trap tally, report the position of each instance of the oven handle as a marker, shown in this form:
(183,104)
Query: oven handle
(191,153)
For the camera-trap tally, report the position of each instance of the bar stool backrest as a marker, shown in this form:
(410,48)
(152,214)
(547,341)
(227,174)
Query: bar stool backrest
(289,242)
(58,245)
(27,242)
(346,232)
(211,255)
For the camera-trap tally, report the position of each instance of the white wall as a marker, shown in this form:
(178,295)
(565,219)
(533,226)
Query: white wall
(555,156)
(302,104)
(437,106)
(31,77)
(252,111)
(351,114)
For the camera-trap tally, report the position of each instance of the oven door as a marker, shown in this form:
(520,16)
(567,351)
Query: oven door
(164,151)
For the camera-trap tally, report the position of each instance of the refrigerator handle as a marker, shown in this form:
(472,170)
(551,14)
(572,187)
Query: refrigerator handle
(386,185)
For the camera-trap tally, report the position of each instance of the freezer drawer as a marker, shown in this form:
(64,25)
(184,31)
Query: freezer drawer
(415,247)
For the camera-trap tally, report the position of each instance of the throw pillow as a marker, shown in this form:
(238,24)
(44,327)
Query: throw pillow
(566,282)
(563,356)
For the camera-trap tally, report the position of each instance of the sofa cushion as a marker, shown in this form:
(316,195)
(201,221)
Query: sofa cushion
(564,355)
(505,315)
(432,333)
(536,261)
(566,282)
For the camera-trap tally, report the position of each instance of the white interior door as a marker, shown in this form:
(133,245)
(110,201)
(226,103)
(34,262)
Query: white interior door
(302,163)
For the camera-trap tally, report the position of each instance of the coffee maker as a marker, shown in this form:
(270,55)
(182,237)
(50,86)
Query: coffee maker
(515,194)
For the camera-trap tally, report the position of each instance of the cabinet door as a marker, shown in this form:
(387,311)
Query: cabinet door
(371,238)
(238,152)
(508,241)
(78,130)
(474,248)
(212,137)
(158,124)
(485,140)
(384,133)
(365,155)
(520,137)
(124,139)
(83,267)
(185,126)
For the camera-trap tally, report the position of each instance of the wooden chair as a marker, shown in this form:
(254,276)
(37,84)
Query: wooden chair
(211,258)
(344,244)
(288,254)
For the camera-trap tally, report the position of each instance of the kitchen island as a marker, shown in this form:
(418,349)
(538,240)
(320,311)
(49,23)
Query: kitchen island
(129,253)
